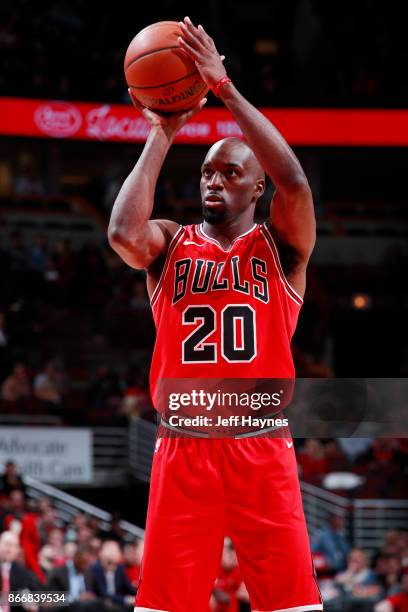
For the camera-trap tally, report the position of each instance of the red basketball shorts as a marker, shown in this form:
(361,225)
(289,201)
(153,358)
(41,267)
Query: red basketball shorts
(204,489)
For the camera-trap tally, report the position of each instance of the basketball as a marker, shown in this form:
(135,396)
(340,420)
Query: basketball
(161,74)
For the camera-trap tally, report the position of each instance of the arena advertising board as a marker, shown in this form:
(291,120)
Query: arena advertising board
(123,123)
(60,455)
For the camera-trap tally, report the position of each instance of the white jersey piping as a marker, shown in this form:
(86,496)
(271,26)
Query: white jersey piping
(202,233)
(172,245)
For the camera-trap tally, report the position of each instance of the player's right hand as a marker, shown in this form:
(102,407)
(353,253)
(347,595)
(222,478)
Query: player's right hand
(171,122)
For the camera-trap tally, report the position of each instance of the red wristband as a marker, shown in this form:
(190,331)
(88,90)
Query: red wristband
(219,84)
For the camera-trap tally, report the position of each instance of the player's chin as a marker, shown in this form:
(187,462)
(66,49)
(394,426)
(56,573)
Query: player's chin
(214,214)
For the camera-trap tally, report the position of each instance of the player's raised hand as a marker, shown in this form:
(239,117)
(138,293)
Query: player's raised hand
(171,122)
(201,48)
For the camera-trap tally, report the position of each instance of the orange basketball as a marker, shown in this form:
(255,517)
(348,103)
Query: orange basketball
(159,72)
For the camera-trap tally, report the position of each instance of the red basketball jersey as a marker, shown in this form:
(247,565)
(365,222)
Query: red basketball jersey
(223,313)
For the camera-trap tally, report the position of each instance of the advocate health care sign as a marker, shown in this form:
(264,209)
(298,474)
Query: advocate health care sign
(60,455)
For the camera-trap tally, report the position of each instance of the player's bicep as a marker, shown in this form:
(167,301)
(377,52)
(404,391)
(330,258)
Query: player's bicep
(143,249)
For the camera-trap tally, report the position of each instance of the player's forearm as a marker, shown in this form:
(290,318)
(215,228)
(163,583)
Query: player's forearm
(273,152)
(134,204)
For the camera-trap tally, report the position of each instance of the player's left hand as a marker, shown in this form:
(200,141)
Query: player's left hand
(201,48)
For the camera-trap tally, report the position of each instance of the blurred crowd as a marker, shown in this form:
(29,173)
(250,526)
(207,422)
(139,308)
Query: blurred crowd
(283,53)
(98,566)
(381,464)
(63,313)
(354,579)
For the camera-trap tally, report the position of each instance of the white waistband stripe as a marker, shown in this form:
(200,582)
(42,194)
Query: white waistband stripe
(296,609)
(148,610)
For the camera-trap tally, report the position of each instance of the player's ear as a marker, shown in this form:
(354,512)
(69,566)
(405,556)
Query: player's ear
(259,187)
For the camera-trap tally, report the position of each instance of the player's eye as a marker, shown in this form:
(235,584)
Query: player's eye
(231,172)
(207,172)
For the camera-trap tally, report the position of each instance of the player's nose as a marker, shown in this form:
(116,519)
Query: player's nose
(215,181)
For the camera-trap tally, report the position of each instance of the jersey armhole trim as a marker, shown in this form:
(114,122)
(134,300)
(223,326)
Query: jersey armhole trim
(172,245)
(288,287)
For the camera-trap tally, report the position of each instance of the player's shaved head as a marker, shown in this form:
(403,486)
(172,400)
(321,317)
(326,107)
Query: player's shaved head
(232,150)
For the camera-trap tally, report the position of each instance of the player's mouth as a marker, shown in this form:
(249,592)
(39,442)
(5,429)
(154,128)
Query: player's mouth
(214,201)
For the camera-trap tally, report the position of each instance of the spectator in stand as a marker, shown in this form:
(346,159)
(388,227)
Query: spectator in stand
(335,458)
(24,523)
(228,586)
(354,447)
(397,602)
(38,254)
(55,539)
(70,549)
(109,580)
(136,400)
(312,461)
(16,386)
(28,183)
(392,575)
(95,544)
(331,542)
(84,535)
(11,480)
(115,531)
(74,578)
(46,559)
(80,520)
(392,542)
(50,385)
(132,556)
(48,522)
(104,392)
(358,581)
(13,576)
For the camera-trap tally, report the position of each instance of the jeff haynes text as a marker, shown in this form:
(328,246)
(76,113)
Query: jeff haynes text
(232,421)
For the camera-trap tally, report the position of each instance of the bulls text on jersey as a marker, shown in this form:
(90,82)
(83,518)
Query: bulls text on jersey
(204,275)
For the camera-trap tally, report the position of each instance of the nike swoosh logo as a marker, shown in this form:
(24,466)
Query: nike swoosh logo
(191,242)
(289,444)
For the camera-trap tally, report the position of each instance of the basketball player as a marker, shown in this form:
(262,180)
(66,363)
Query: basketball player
(201,279)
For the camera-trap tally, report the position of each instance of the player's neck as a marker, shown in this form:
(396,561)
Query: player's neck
(225,233)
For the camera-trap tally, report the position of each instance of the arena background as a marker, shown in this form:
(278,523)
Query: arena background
(76,332)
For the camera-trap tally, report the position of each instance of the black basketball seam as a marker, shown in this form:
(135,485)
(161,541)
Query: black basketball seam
(165,84)
(151,53)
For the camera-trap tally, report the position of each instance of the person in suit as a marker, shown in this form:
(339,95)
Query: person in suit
(10,480)
(73,578)
(13,575)
(109,580)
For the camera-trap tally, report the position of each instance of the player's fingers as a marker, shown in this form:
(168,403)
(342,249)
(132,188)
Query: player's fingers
(206,37)
(190,34)
(189,24)
(188,48)
(199,35)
